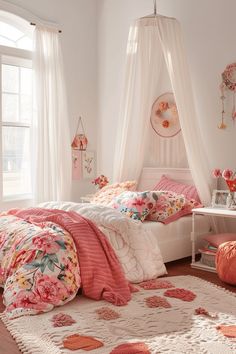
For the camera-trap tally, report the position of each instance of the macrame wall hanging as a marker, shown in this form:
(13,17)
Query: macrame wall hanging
(228,85)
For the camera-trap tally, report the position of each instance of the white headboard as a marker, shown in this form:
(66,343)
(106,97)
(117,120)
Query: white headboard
(151,175)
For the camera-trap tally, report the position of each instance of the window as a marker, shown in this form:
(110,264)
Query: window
(16,108)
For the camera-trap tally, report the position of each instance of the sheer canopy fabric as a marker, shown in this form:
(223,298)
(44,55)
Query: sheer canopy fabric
(150,40)
(51,130)
(144,63)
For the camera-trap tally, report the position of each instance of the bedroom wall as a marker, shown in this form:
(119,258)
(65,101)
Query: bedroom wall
(78,21)
(209,33)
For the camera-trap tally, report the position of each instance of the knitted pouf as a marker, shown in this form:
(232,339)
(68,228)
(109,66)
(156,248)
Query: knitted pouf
(226,262)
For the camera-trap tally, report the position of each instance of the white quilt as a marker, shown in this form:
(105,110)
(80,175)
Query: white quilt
(135,247)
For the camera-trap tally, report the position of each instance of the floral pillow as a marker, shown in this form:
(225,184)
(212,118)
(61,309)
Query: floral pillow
(168,207)
(163,206)
(105,195)
(136,205)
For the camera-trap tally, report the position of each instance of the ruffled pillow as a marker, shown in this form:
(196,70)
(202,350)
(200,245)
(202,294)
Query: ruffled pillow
(105,195)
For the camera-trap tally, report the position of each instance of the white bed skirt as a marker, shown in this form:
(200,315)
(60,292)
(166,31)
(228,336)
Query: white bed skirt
(174,239)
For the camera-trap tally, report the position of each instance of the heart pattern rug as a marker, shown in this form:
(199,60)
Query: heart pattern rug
(182,314)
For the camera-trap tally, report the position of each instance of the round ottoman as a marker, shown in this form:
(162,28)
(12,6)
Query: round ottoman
(226,262)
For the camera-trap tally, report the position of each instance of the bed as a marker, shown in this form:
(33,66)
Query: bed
(174,239)
(50,252)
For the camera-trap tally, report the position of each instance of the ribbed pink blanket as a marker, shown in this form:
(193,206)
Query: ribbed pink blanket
(101,273)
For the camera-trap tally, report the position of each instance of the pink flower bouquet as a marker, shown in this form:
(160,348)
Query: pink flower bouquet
(229,177)
(101,181)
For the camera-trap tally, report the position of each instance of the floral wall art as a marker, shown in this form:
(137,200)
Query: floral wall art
(76,165)
(83,164)
(88,164)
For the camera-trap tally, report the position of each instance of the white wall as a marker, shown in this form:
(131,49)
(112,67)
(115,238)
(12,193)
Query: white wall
(78,21)
(209,32)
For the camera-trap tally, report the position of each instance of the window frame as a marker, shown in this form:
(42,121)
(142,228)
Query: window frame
(13,56)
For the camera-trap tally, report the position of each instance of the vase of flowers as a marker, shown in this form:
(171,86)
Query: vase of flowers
(230,178)
(100,181)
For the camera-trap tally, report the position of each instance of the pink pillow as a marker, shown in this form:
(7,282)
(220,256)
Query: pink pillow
(167,184)
(217,239)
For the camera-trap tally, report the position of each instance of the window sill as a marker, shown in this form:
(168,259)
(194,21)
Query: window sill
(22,197)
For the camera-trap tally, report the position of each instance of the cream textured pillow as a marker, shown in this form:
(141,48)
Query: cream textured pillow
(105,195)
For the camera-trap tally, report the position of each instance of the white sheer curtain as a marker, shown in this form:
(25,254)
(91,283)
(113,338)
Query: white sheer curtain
(149,40)
(170,35)
(51,139)
(144,63)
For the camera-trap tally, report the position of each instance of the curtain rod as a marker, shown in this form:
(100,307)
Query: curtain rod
(34,24)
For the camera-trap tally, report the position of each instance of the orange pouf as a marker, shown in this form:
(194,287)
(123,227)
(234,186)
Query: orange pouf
(226,262)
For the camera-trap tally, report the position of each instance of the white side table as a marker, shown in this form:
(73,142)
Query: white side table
(87,198)
(215,212)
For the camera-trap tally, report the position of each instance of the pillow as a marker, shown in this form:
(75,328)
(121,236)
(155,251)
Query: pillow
(186,210)
(167,184)
(163,206)
(217,239)
(135,205)
(105,195)
(168,207)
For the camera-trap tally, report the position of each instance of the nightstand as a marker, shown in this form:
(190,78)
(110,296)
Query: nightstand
(214,212)
(87,198)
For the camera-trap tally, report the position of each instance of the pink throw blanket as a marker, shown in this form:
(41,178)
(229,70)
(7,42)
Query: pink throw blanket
(101,273)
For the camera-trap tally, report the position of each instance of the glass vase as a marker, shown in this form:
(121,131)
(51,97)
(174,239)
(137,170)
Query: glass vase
(231,198)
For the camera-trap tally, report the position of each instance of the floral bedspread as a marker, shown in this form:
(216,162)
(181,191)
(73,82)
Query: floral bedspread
(46,255)
(39,267)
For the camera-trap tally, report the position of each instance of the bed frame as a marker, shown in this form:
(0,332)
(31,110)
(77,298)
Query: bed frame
(177,246)
(151,175)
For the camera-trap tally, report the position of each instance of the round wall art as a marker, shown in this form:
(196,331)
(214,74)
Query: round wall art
(164,116)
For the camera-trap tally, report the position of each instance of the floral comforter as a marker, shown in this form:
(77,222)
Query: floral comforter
(38,267)
(46,255)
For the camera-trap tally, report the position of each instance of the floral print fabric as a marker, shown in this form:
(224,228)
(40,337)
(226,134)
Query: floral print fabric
(150,205)
(38,266)
(167,207)
(135,205)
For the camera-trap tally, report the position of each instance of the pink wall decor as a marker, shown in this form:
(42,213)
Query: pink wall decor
(80,140)
(228,84)
(164,116)
(88,164)
(76,164)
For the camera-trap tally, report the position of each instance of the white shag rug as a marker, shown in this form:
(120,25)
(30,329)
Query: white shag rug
(171,330)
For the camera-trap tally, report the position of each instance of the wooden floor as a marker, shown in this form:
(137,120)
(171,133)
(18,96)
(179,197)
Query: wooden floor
(181,267)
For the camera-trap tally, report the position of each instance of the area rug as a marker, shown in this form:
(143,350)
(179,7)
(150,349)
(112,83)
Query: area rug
(182,315)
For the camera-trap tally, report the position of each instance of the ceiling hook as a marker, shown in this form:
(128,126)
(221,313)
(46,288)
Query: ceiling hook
(155,6)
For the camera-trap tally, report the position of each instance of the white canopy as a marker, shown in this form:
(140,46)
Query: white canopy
(152,42)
